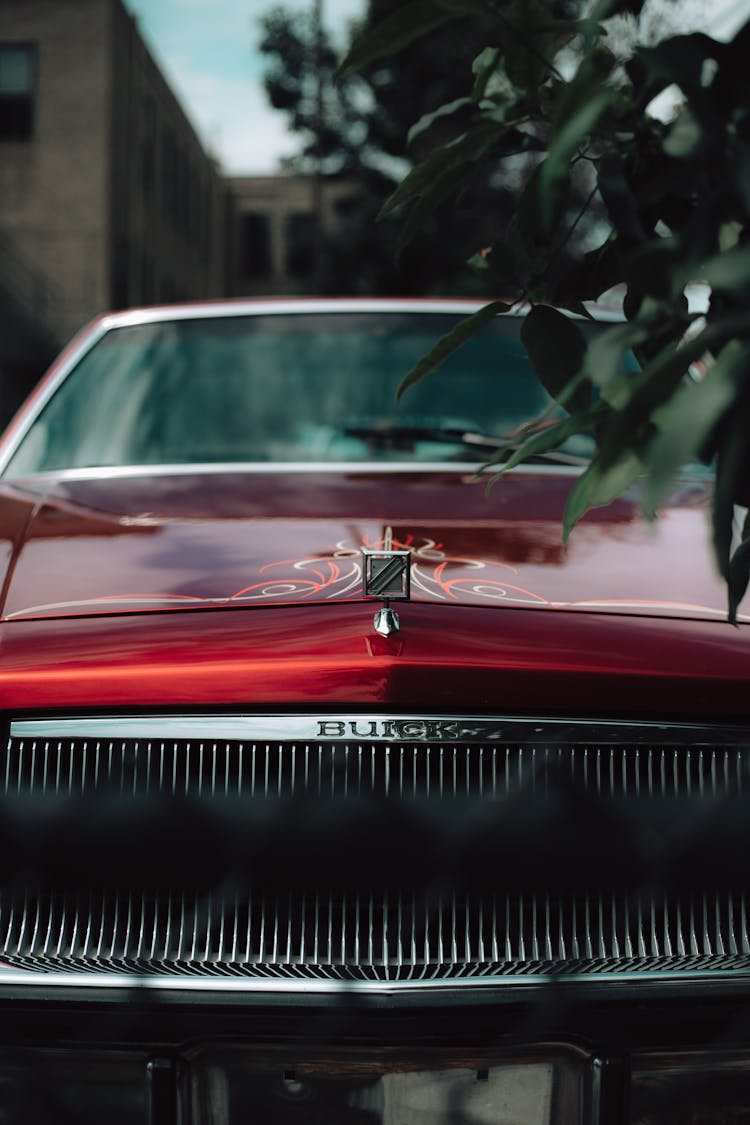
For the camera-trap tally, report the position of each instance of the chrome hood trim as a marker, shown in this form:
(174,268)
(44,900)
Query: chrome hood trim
(336,727)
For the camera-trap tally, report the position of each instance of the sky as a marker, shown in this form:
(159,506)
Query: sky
(208,52)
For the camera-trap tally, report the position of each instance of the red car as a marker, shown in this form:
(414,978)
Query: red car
(335,787)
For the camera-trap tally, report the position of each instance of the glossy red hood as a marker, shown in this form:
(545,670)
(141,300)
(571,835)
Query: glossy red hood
(128,544)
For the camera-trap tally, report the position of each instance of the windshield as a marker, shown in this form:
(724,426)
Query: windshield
(314,387)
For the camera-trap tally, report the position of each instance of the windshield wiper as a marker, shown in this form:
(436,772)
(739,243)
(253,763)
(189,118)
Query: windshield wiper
(395,435)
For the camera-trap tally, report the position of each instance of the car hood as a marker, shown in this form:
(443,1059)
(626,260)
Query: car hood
(126,543)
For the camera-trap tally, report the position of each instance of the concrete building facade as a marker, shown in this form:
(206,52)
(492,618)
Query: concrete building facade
(107,197)
(273,221)
(104,186)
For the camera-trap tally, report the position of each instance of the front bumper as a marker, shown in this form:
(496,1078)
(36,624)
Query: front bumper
(551,1053)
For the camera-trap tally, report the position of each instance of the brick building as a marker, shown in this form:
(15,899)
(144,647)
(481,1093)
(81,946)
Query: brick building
(104,186)
(107,197)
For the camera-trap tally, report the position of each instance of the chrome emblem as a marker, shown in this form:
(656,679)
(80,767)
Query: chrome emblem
(386,574)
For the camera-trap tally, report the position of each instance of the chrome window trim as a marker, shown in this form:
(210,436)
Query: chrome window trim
(270,468)
(270,306)
(390,727)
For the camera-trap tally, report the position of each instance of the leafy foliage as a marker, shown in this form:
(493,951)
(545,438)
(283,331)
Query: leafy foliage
(672,198)
(361,140)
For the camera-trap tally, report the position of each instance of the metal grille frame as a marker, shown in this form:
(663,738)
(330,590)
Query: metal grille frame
(389,939)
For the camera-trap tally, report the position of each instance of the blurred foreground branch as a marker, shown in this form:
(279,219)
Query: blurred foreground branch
(658,143)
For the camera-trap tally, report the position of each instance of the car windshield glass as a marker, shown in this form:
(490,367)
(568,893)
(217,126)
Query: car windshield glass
(313,387)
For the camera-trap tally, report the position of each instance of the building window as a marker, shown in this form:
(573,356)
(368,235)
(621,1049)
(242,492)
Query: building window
(17,83)
(300,243)
(255,245)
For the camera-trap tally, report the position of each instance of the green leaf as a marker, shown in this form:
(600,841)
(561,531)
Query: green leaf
(686,136)
(729,462)
(727,271)
(483,68)
(599,486)
(555,170)
(637,396)
(604,9)
(739,573)
(738,163)
(632,427)
(556,347)
(464,7)
(549,93)
(525,45)
(429,119)
(652,267)
(536,236)
(464,150)
(426,203)
(587,82)
(729,235)
(497,264)
(618,196)
(450,343)
(731,485)
(493,88)
(578,107)
(678,60)
(532,38)
(410,22)
(604,359)
(589,277)
(550,437)
(688,419)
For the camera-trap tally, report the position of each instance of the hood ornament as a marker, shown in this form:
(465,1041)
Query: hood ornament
(386,574)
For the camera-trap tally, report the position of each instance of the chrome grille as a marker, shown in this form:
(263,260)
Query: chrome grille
(363,938)
(388,933)
(184,767)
